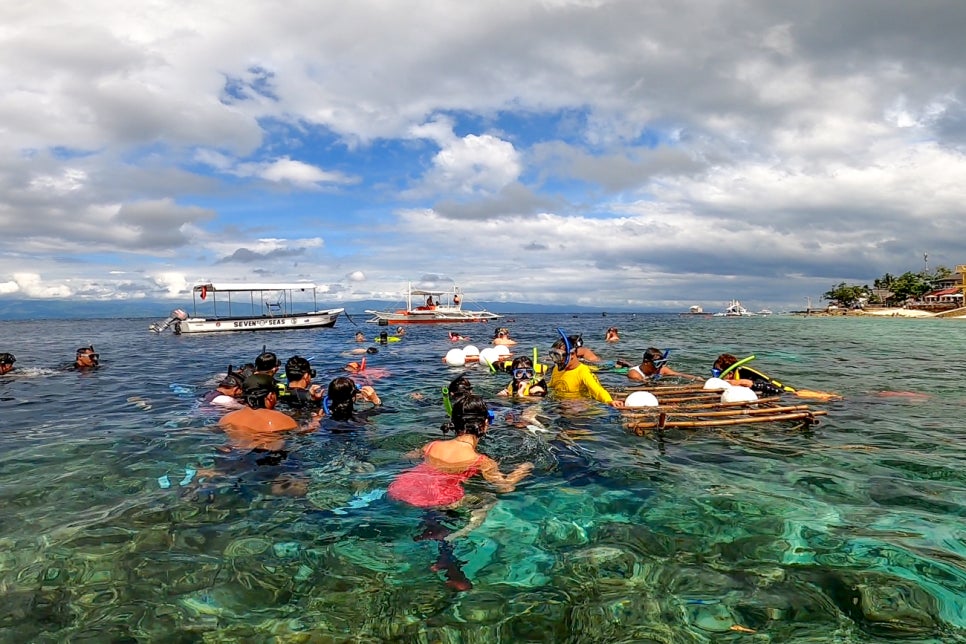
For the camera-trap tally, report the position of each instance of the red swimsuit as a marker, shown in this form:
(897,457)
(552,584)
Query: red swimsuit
(425,486)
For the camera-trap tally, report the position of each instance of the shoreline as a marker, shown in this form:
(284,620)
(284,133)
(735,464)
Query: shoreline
(893,312)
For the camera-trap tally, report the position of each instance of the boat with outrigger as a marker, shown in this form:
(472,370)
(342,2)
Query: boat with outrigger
(431,306)
(220,307)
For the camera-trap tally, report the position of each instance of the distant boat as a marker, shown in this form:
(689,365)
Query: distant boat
(442,306)
(734,310)
(697,310)
(765,312)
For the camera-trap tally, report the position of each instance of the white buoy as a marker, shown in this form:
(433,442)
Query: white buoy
(470,350)
(502,351)
(641,399)
(715,384)
(738,394)
(488,356)
(455,358)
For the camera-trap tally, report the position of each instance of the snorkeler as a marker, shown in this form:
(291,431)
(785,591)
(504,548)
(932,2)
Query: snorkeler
(341,396)
(86,359)
(258,424)
(300,392)
(437,482)
(6,363)
(501,337)
(228,393)
(654,365)
(612,335)
(572,377)
(524,383)
(736,372)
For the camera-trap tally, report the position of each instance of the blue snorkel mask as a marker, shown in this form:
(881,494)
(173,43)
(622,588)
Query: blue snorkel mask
(556,356)
(715,373)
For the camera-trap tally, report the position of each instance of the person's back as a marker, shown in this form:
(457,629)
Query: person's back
(258,424)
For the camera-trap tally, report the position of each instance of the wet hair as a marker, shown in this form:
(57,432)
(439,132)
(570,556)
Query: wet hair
(266,361)
(255,393)
(83,350)
(296,367)
(652,355)
(469,416)
(246,370)
(501,331)
(232,379)
(339,398)
(521,362)
(724,361)
(7,358)
(372,350)
(460,386)
(574,340)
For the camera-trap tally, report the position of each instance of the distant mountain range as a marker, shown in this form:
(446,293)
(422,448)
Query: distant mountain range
(85,309)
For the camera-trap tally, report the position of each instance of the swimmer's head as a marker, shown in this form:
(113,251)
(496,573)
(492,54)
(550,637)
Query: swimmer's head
(460,386)
(470,416)
(86,357)
(372,350)
(258,394)
(339,398)
(232,380)
(722,363)
(561,350)
(360,336)
(6,362)
(266,361)
(297,367)
(522,368)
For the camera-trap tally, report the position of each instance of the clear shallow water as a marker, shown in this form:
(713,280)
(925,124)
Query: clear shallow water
(852,532)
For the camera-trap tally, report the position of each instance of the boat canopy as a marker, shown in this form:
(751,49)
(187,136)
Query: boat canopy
(230,287)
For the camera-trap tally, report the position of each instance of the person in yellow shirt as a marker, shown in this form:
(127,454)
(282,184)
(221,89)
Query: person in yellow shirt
(572,378)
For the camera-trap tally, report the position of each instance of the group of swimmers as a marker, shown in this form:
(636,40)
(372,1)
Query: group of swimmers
(85,359)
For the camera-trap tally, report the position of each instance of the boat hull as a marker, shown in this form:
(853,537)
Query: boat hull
(309,320)
(435,316)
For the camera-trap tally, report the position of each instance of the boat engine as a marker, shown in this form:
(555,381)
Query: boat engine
(176,315)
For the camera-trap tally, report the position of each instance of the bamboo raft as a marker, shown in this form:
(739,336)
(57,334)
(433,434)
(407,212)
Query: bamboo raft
(684,407)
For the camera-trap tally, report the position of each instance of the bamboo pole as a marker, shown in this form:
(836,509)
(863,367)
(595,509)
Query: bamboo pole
(722,422)
(728,412)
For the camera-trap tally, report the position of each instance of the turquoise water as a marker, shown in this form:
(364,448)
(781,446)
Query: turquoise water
(853,531)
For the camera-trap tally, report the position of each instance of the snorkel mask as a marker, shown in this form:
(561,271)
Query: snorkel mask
(559,357)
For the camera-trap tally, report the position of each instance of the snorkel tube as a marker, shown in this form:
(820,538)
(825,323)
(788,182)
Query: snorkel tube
(447,403)
(733,367)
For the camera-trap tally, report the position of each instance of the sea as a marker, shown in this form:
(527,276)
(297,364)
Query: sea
(126,518)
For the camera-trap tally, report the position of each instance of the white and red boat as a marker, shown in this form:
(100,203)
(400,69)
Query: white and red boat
(219,307)
(431,306)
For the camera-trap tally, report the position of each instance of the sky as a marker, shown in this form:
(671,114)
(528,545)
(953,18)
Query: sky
(623,154)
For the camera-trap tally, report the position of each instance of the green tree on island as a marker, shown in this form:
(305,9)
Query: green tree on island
(846,295)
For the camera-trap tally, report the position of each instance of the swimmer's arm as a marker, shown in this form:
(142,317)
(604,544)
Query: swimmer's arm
(504,483)
(368,394)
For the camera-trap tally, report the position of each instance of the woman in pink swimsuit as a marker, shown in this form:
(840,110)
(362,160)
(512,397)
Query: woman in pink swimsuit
(437,482)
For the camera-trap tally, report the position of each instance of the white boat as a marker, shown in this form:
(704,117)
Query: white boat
(219,307)
(765,312)
(431,306)
(735,309)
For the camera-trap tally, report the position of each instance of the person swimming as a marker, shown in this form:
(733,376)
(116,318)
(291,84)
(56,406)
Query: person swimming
(524,381)
(654,365)
(86,359)
(573,378)
(437,483)
(6,363)
(341,396)
(612,335)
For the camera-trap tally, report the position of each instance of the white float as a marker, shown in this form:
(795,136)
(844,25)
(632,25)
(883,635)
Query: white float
(715,384)
(738,394)
(455,358)
(641,399)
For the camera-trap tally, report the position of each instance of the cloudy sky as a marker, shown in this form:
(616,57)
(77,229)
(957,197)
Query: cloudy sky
(626,154)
